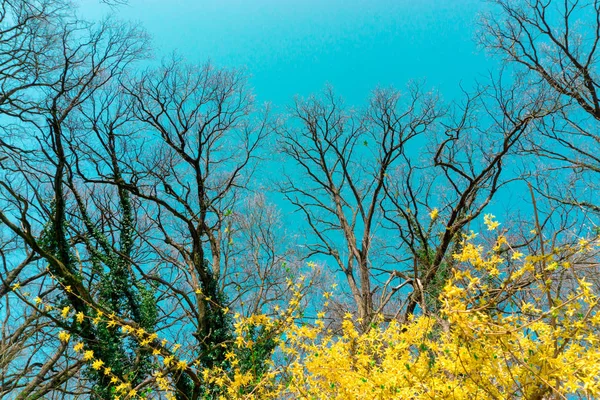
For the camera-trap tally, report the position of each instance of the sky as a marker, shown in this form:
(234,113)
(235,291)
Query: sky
(296,47)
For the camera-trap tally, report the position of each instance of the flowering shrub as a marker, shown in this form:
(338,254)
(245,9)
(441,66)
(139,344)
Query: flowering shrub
(507,329)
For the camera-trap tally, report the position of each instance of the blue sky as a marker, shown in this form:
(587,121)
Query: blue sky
(294,47)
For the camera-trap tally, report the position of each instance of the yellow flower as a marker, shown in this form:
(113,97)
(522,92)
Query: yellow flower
(64,336)
(97,364)
(88,355)
(107,370)
(176,346)
(37,300)
(488,220)
(78,347)
(434,213)
(155,352)
(132,393)
(65,312)
(516,255)
(98,318)
(182,364)
(80,317)
(16,286)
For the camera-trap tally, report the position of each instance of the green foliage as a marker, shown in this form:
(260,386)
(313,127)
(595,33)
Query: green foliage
(434,288)
(254,359)
(53,238)
(218,339)
(120,292)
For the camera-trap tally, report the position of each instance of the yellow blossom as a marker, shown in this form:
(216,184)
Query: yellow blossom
(65,311)
(64,336)
(80,317)
(88,355)
(98,318)
(182,364)
(97,364)
(434,214)
(78,347)
(488,220)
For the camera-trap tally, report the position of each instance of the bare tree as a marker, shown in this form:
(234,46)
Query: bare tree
(344,158)
(261,257)
(198,120)
(372,183)
(431,201)
(28,37)
(556,44)
(61,64)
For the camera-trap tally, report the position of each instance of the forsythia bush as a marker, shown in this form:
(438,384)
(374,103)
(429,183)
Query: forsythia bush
(510,327)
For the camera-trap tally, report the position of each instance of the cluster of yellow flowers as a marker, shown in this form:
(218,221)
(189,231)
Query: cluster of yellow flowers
(505,329)
(123,388)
